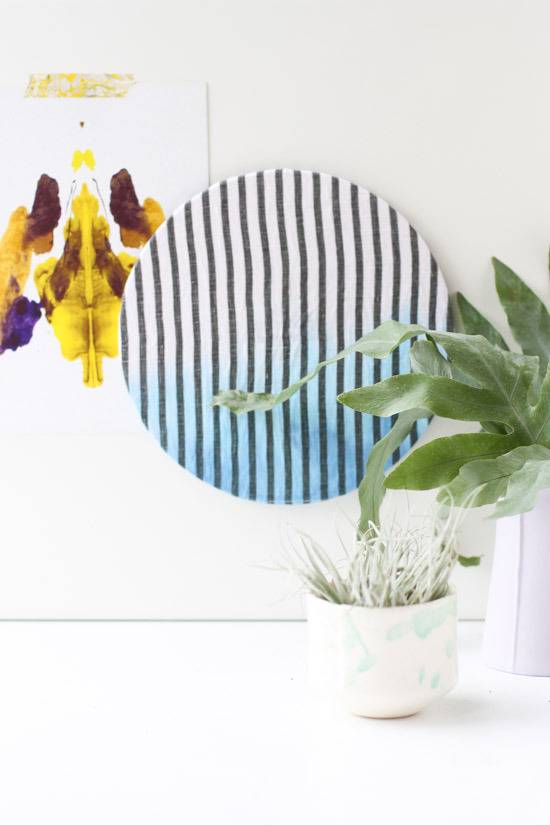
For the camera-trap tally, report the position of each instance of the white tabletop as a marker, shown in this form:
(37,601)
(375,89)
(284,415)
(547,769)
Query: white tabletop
(209,723)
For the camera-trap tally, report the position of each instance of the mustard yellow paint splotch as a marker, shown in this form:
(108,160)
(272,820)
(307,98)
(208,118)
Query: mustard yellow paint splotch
(15,260)
(82,291)
(27,233)
(86,158)
(76,84)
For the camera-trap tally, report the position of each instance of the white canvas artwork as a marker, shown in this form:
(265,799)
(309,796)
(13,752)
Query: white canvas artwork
(90,167)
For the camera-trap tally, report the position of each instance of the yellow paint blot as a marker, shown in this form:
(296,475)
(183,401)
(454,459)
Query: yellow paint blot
(27,233)
(86,158)
(15,260)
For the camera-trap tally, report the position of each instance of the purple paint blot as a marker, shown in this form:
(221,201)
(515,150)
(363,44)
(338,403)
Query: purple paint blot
(19,323)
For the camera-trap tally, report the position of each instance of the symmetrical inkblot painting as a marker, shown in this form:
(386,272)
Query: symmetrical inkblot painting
(96,163)
(248,286)
(80,292)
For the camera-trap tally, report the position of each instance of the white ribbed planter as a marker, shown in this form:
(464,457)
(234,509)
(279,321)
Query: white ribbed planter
(517,627)
(382,662)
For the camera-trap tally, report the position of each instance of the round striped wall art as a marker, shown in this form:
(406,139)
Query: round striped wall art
(248,286)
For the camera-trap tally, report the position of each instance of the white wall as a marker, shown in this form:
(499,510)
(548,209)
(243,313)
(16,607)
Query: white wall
(440,107)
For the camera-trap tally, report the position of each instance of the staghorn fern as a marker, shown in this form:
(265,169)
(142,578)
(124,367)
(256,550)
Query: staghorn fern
(470,376)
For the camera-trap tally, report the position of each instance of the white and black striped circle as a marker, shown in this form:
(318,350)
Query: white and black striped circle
(248,286)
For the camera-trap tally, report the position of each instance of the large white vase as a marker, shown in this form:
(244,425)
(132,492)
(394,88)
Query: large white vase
(517,628)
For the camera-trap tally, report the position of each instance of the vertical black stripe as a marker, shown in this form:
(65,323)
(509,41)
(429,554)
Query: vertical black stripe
(178,332)
(213,293)
(433,292)
(415,276)
(249,297)
(396,295)
(340,336)
(414,433)
(232,319)
(322,332)
(414,301)
(268,333)
(279,196)
(450,320)
(359,299)
(377,309)
(124,341)
(304,419)
(160,343)
(195,314)
(142,345)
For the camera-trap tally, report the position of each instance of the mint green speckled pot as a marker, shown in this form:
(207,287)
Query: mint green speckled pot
(383,662)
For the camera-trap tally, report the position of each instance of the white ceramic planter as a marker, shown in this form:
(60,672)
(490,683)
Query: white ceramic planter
(517,628)
(382,662)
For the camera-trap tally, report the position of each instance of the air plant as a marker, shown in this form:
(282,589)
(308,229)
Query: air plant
(390,565)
